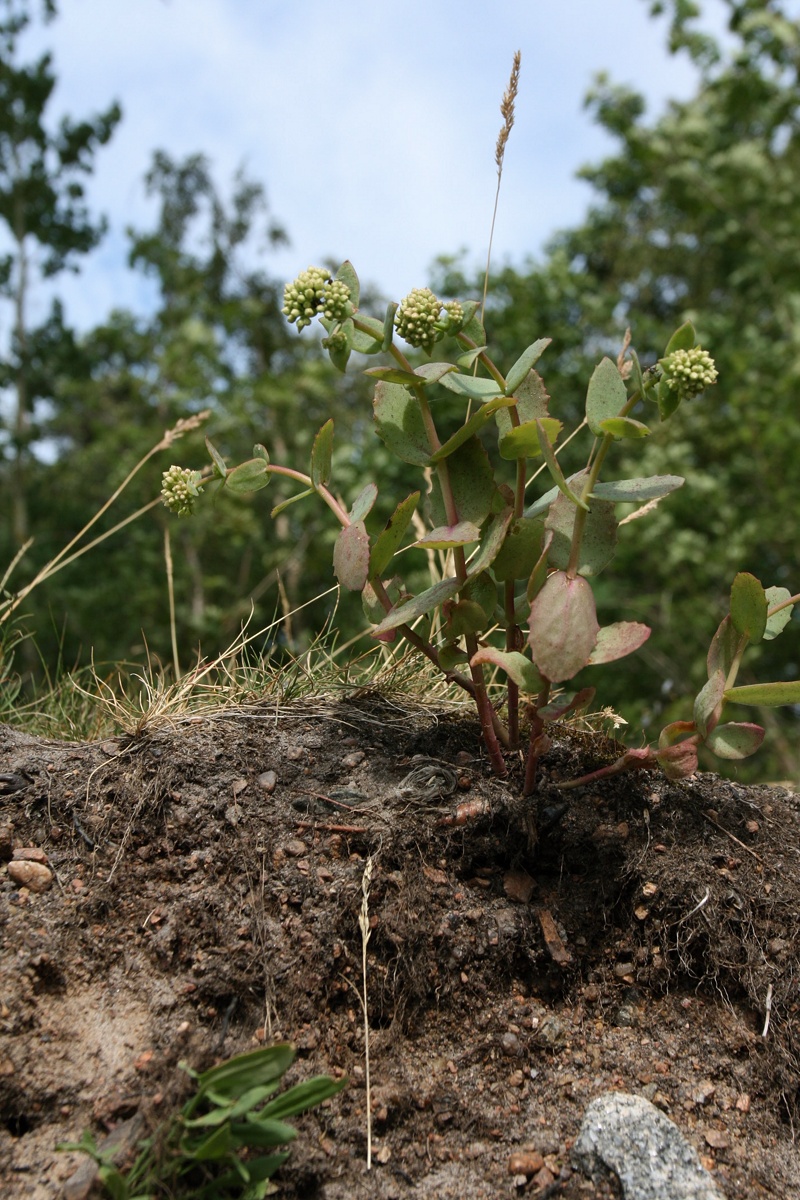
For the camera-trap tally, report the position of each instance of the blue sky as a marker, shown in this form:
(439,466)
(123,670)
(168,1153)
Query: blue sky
(372,125)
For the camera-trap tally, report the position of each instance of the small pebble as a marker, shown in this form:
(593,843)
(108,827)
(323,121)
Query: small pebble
(267,781)
(32,875)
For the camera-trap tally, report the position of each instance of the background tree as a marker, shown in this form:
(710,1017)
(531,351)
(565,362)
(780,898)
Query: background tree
(47,224)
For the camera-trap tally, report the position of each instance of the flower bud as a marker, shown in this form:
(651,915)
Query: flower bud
(336,304)
(180,488)
(303,298)
(416,317)
(689,372)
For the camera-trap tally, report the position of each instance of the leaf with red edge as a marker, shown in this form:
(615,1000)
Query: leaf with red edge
(563,626)
(517,667)
(724,648)
(678,761)
(708,704)
(735,740)
(617,640)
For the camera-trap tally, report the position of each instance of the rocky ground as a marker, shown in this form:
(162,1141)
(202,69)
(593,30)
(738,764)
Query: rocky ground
(200,893)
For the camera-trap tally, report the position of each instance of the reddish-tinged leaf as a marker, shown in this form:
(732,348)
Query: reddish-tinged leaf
(708,704)
(615,641)
(679,760)
(724,648)
(351,557)
(563,626)
(446,536)
(749,606)
(389,539)
(735,740)
(418,605)
(516,666)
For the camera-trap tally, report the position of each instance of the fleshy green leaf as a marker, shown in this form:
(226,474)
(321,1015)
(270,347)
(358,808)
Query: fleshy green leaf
(481,589)
(388,326)
(769,694)
(749,606)
(472,484)
(617,640)
(524,363)
(517,667)
(321,453)
(464,617)
(563,626)
(469,357)
(219,462)
(779,620)
(351,557)
(723,649)
(260,451)
(347,275)
(433,372)
(678,761)
(684,338)
(522,441)
(302,1096)
(735,740)
(388,541)
(623,427)
(394,375)
(606,395)
(249,476)
(494,534)
(417,606)
(651,487)
(472,326)
(532,401)
(446,536)
(708,703)
(471,427)
(567,702)
(472,386)
(668,398)
(373,609)
(520,551)
(599,540)
(399,424)
(369,341)
(363,503)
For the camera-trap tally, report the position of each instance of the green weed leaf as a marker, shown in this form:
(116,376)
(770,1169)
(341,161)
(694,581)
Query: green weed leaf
(735,740)
(523,441)
(444,537)
(617,640)
(364,502)
(779,620)
(388,541)
(771,695)
(321,453)
(563,626)
(623,427)
(471,427)
(249,476)
(708,703)
(516,666)
(351,557)
(524,363)
(684,338)
(417,606)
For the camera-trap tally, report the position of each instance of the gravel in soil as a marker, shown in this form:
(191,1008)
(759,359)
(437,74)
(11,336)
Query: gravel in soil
(195,891)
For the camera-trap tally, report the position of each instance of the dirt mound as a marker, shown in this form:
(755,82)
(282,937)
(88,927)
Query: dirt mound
(207,881)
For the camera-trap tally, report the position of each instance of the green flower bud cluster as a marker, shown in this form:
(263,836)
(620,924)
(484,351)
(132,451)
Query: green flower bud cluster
(180,488)
(336,304)
(416,318)
(313,292)
(454,312)
(336,342)
(689,372)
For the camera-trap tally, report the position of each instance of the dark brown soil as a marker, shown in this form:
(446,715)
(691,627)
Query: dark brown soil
(523,957)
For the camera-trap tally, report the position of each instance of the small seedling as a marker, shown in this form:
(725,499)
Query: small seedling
(214,1147)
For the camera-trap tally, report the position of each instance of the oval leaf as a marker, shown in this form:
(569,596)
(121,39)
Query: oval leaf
(519,669)
(599,540)
(723,649)
(607,394)
(683,338)
(249,476)
(749,606)
(779,620)
(520,551)
(735,740)
(522,441)
(351,557)
(347,275)
(563,627)
(678,761)
(494,534)
(219,462)
(615,641)
(399,423)
(471,482)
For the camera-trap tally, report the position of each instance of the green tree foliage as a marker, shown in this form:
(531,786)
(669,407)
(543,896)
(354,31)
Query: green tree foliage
(695,217)
(47,225)
(216,340)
